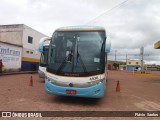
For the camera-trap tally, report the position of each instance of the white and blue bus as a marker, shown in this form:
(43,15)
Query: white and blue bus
(76,62)
(43,49)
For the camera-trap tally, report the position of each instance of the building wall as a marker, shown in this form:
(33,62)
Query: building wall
(11,57)
(133,67)
(133,62)
(27,31)
(109,66)
(16,37)
(11,34)
(30,59)
(122,67)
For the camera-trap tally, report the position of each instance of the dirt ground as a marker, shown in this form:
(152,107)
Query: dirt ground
(138,93)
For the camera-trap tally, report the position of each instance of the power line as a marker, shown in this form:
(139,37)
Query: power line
(110,10)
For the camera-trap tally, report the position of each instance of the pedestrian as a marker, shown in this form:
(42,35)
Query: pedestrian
(1,66)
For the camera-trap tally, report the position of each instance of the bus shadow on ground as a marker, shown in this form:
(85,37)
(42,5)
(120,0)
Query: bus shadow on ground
(77,100)
(42,81)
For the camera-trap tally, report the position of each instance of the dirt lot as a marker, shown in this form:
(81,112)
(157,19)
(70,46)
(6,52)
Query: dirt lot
(137,93)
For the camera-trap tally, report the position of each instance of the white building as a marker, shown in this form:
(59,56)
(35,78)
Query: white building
(18,43)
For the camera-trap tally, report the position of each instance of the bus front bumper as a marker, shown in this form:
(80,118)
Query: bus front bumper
(96,91)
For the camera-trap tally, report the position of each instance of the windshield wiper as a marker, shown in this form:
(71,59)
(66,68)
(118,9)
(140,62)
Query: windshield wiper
(68,58)
(79,56)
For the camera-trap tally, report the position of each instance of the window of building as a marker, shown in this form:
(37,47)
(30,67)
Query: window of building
(136,62)
(27,51)
(30,39)
(31,52)
(129,62)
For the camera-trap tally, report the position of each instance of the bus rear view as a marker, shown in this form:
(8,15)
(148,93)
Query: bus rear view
(76,62)
(43,48)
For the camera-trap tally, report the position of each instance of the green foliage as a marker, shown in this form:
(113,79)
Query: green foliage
(116,65)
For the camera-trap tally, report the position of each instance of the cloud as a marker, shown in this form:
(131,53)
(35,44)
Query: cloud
(50,14)
(130,26)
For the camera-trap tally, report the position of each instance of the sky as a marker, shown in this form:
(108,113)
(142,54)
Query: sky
(130,26)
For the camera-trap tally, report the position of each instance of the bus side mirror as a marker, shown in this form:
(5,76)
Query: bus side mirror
(108,45)
(40,48)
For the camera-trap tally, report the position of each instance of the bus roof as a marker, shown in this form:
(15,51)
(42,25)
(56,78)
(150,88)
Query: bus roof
(81,28)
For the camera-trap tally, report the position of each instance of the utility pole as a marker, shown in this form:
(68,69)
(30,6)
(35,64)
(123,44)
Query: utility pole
(142,54)
(126,61)
(115,55)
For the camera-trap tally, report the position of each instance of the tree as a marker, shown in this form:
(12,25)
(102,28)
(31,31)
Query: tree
(116,65)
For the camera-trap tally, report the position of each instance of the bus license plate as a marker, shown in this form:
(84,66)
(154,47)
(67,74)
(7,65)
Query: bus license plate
(70,91)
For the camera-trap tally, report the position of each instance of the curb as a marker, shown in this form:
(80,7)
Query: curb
(138,74)
(14,73)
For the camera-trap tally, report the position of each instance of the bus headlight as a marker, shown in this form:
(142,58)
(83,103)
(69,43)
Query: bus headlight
(50,79)
(96,82)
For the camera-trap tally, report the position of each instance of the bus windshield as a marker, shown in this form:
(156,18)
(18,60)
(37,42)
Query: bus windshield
(77,53)
(44,57)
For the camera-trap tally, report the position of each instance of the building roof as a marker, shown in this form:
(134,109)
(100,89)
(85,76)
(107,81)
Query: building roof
(133,60)
(81,28)
(18,27)
(11,26)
